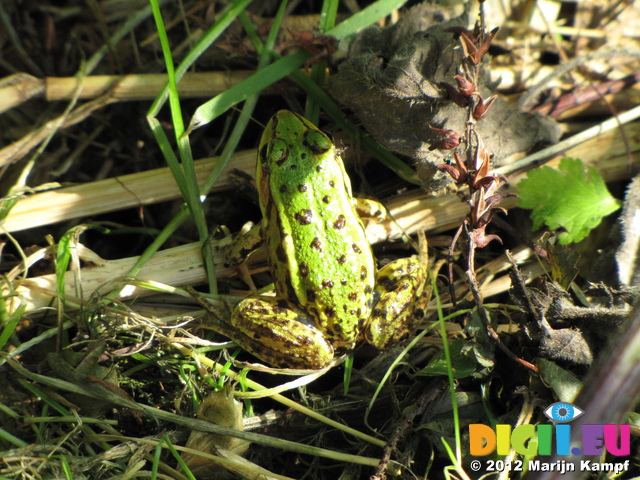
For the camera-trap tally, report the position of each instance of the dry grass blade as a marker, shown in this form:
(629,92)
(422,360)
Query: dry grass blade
(605,152)
(22,147)
(410,213)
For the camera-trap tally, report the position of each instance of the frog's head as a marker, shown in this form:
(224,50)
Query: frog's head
(292,150)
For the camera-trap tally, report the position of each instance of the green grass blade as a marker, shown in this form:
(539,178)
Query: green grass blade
(186,178)
(365,18)
(450,375)
(319,70)
(63,257)
(174,100)
(9,326)
(250,86)
(223,21)
(66,468)
(177,456)
(4,435)
(48,401)
(230,147)
(167,151)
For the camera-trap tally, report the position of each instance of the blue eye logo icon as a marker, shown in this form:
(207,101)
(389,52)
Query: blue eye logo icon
(562,412)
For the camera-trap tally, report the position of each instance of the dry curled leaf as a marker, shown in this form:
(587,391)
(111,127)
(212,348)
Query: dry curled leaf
(393,80)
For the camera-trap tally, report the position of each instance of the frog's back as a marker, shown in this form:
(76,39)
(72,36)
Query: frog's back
(317,248)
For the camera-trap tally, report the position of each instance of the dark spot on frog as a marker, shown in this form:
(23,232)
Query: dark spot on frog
(318,168)
(344,282)
(326,199)
(316,244)
(290,292)
(353,296)
(304,216)
(342,259)
(302,188)
(283,189)
(303,156)
(363,273)
(260,311)
(331,184)
(326,284)
(304,269)
(305,341)
(393,285)
(280,253)
(339,223)
(330,312)
(356,248)
(337,330)
(294,167)
(368,289)
(311,295)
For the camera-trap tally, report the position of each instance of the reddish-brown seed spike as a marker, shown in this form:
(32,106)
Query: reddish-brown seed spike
(445,144)
(448,139)
(459,162)
(468,45)
(456,174)
(476,30)
(485,42)
(483,169)
(481,240)
(483,106)
(478,111)
(464,85)
(484,182)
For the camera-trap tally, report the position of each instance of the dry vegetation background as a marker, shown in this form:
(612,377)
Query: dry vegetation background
(101,386)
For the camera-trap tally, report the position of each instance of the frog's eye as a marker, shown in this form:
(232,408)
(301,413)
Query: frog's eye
(274,152)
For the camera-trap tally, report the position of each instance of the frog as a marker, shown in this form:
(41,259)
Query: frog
(329,293)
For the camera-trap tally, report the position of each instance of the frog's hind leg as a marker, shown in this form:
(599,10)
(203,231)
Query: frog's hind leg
(399,287)
(280,334)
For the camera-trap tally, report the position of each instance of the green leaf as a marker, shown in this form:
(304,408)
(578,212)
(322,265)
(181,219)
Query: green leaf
(574,197)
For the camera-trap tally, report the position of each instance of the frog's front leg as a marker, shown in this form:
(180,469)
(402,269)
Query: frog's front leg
(238,251)
(399,288)
(279,333)
(370,209)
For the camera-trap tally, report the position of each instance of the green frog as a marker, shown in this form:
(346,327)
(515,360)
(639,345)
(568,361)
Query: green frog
(329,294)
